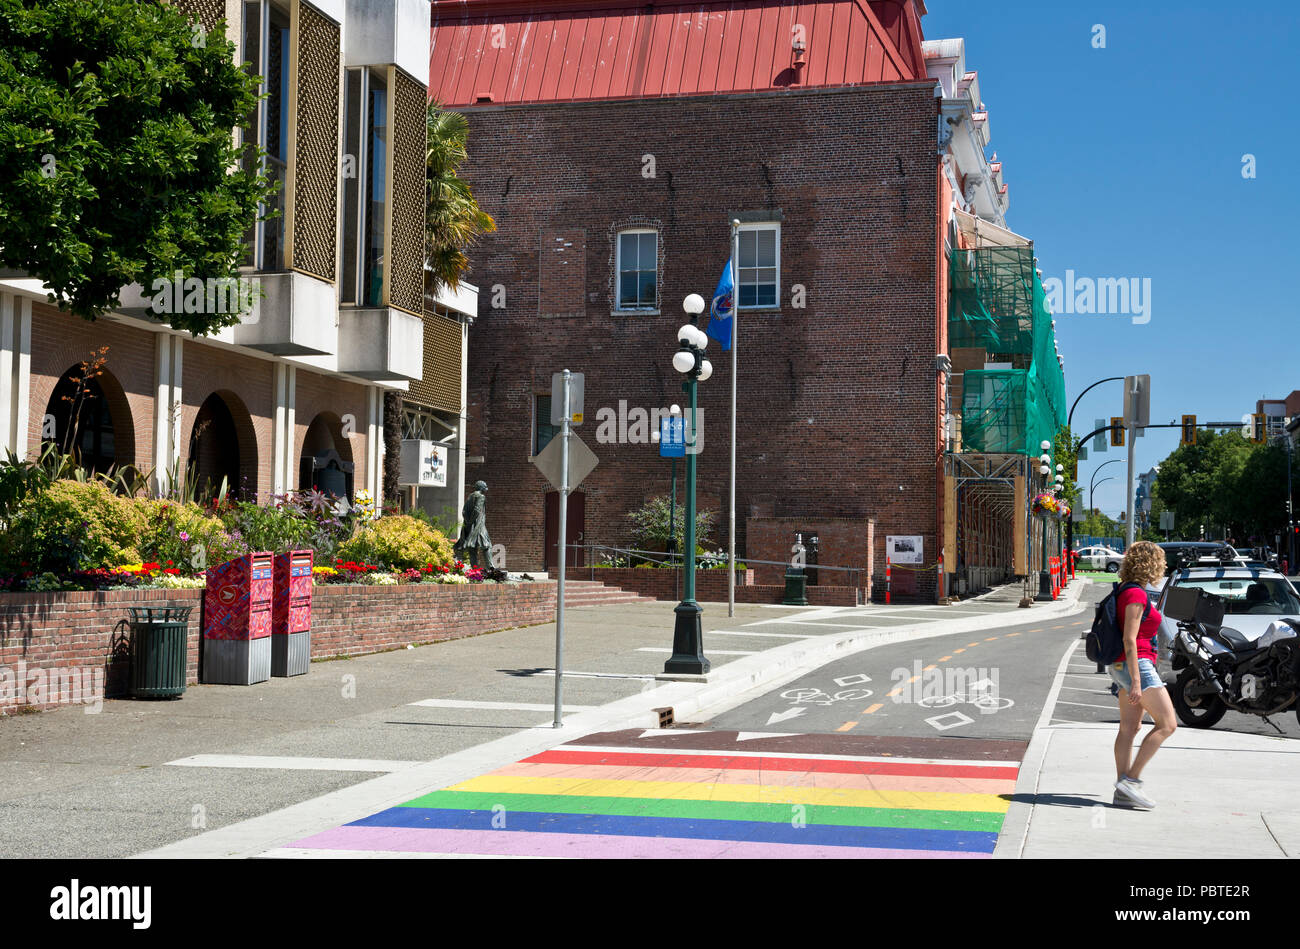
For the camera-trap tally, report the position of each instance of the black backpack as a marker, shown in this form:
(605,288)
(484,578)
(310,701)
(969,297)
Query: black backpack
(1105,641)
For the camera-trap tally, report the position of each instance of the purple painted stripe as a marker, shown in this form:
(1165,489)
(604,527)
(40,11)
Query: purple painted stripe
(516,843)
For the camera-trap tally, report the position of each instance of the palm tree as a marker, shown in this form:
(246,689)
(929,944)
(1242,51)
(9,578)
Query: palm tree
(454,220)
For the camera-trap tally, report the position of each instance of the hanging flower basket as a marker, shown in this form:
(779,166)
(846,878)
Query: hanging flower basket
(1047,505)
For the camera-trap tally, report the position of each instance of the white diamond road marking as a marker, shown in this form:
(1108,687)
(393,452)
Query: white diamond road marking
(852,680)
(939,722)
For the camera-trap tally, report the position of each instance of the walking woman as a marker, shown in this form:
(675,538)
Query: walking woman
(1140,686)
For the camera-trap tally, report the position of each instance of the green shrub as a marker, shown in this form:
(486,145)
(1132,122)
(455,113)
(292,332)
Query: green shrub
(72,526)
(186,535)
(275,528)
(399,543)
(651,520)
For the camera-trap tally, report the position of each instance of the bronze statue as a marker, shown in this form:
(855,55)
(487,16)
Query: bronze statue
(473,529)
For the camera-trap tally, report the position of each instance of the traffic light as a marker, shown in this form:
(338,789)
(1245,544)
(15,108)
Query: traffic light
(1116,432)
(1189,429)
(1258,429)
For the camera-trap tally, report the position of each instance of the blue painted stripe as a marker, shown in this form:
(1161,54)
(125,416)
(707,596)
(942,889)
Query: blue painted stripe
(899,838)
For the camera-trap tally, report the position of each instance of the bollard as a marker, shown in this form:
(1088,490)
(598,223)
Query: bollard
(887,568)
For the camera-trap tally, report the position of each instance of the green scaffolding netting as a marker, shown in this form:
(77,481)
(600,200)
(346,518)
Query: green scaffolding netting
(997,303)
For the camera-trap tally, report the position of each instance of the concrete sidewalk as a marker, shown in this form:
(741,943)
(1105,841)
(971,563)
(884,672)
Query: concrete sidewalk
(1218,794)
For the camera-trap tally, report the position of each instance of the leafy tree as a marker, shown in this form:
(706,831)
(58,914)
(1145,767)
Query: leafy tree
(650,525)
(117,159)
(1227,484)
(454,220)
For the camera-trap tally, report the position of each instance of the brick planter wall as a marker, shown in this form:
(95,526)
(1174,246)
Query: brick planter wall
(48,636)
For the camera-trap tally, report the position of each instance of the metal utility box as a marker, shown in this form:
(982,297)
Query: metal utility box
(237,621)
(291,614)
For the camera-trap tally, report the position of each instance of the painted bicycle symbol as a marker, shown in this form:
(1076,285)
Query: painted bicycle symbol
(811,696)
(982,697)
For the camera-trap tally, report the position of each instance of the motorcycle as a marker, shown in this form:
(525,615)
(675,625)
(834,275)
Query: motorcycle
(1220,669)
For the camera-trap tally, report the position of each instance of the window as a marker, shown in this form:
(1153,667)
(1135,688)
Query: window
(365,204)
(543,430)
(266,54)
(760,264)
(637,266)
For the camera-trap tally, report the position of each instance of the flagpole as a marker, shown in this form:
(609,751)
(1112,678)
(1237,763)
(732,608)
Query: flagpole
(735,345)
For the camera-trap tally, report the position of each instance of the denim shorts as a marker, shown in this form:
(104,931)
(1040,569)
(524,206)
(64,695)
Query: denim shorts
(1146,670)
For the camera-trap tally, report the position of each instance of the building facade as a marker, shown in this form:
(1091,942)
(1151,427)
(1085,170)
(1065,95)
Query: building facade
(293,396)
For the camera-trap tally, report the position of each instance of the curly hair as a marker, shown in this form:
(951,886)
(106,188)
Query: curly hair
(1144,563)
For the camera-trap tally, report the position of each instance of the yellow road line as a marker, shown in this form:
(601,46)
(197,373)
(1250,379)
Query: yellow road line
(846,726)
(944,658)
(990,639)
(927,669)
(1017,634)
(875,708)
(955,651)
(897,691)
(710,791)
(968,645)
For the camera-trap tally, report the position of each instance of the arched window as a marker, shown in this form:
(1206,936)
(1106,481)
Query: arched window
(79,421)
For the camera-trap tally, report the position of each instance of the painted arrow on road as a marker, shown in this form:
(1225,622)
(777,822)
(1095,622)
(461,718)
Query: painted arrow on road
(787,715)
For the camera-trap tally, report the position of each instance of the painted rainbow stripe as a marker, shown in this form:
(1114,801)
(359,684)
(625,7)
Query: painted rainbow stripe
(661,802)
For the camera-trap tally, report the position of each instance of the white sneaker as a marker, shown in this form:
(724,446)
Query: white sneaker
(1131,789)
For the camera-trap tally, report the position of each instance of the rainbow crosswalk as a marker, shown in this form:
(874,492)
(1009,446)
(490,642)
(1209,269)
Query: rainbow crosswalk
(711,794)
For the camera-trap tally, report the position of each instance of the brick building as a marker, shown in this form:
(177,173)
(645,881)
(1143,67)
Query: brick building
(613,144)
(292,396)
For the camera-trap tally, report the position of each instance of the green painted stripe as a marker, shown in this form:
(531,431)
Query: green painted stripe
(714,810)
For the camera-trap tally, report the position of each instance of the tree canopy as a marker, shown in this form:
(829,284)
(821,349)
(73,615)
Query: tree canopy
(117,160)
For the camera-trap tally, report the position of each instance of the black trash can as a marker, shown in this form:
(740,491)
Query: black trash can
(795,588)
(159,647)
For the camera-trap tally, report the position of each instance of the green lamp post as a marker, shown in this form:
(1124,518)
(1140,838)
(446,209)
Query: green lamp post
(688,636)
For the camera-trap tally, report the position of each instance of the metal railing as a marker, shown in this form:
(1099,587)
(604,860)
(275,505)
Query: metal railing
(677,561)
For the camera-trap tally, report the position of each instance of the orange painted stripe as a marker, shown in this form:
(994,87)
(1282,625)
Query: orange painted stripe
(846,726)
(875,708)
(944,658)
(968,645)
(955,651)
(927,669)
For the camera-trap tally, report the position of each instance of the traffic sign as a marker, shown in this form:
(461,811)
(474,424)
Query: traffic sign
(581,461)
(1189,430)
(1166,520)
(1137,401)
(1099,443)
(576,381)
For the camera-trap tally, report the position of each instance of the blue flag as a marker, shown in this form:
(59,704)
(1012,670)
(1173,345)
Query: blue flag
(722,310)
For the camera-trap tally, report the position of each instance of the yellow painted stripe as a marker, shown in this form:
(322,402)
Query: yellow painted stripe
(709,791)
(968,645)
(875,708)
(990,639)
(944,658)
(926,669)
(955,651)
(913,679)
(1017,634)
(897,691)
(847,726)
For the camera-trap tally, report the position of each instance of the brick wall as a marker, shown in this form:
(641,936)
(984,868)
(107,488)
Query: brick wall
(842,542)
(660,582)
(57,632)
(837,398)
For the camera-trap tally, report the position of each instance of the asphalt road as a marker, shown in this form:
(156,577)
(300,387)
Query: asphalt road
(988,685)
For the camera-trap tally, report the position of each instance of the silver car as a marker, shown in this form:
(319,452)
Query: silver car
(1254,598)
(1100,558)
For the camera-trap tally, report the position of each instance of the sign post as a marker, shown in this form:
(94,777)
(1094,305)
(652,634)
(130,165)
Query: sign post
(1137,415)
(565,379)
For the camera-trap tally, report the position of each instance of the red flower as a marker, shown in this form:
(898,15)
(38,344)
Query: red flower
(171,570)
(169,563)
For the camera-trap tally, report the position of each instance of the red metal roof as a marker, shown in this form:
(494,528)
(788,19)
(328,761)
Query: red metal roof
(538,51)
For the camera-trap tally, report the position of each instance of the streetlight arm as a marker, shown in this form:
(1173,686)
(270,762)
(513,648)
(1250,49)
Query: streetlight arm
(1070,417)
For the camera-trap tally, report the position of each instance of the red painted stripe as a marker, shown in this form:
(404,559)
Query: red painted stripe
(653,760)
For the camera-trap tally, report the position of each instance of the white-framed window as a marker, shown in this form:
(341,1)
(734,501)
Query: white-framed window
(760,265)
(636,269)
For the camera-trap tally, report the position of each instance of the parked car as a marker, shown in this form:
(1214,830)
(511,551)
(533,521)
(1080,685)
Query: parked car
(1100,558)
(1254,598)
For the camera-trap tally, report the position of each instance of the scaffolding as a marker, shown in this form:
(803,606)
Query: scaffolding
(997,303)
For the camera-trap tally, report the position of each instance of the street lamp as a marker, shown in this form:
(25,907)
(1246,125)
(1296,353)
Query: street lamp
(688,637)
(1045,575)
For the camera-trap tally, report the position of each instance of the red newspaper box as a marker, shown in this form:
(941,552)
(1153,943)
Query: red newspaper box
(291,614)
(237,621)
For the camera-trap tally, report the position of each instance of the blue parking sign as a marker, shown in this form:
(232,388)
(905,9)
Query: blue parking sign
(672,437)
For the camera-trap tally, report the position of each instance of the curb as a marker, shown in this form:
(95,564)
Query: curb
(765,670)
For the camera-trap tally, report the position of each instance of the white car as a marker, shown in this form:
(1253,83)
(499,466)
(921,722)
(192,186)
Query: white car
(1254,599)
(1100,558)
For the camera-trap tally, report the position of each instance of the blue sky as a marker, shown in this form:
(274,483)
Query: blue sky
(1127,162)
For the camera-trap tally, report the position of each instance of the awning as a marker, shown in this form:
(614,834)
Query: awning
(984,234)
